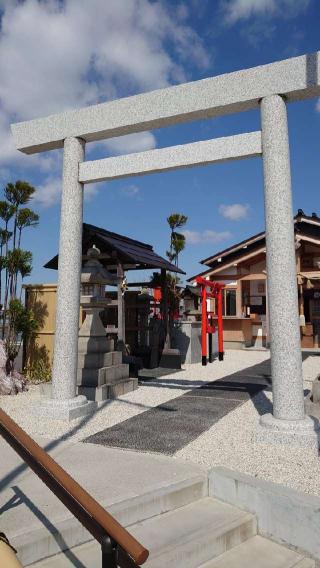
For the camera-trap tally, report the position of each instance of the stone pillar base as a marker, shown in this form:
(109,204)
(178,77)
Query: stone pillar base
(69,409)
(299,433)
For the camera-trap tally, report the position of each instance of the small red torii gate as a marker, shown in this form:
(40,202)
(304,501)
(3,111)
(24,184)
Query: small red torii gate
(207,327)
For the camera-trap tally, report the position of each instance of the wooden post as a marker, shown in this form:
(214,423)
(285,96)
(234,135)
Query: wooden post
(220,326)
(165,308)
(239,307)
(204,326)
(121,312)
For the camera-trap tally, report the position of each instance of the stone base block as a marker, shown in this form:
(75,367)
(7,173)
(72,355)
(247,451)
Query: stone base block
(100,377)
(300,433)
(170,359)
(109,391)
(69,409)
(94,344)
(95,360)
(98,360)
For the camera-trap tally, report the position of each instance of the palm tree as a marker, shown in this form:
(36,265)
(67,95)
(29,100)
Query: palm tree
(26,218)
(18,193)
(17,262)
(177,240)
(4,238)
(179,243)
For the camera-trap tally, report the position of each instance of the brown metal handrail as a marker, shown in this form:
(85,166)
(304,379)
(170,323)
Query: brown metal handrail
(119,547)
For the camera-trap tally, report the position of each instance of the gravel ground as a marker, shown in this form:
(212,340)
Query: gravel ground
(228,442)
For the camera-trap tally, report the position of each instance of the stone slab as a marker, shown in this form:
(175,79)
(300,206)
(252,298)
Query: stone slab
(172,158)
(109,391)
(286,515)
(170,426)
(295,78)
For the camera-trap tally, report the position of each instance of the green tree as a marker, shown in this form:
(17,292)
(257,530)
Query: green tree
(17,321)
(17,194)
(177,240)
(21,322)
(4,238)
(26,218)
(17,262)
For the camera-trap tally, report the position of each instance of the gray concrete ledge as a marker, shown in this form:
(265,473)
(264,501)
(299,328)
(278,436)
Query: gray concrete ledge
(283,514)
(295,78)
(237,147)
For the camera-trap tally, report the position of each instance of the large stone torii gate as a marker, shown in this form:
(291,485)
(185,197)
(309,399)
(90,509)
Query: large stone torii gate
(269,87)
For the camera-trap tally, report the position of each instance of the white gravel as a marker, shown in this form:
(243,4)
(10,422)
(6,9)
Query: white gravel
(228,442)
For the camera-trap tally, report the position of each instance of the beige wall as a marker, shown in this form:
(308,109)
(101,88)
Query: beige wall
(42,300)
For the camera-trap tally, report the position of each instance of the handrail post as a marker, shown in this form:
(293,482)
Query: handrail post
(109,553)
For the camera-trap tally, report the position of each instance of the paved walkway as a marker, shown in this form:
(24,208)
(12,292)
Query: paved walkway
(169,427)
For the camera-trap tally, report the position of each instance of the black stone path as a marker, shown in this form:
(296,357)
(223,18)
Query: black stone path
(170,426)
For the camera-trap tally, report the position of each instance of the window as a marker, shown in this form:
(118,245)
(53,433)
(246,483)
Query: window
(229,302)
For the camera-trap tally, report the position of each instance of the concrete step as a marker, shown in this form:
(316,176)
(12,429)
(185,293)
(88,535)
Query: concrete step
(193,534)
(259,552)
(110,390)
(183,538)
(45,527)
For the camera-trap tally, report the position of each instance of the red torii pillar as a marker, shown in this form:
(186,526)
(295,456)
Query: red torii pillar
(215,291)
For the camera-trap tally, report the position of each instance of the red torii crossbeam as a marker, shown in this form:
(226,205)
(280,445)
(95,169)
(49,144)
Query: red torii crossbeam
(207,327)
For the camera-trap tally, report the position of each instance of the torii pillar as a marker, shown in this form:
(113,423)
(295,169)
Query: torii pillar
(288,423)
(65,404)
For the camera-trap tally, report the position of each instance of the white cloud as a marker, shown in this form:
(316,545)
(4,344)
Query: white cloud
(130,190)
(49,193)
(136,142)
(208,236)
(58,55)
(235,10)
(234,212)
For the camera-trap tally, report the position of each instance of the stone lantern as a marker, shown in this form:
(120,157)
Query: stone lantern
(94,278)
(101,373)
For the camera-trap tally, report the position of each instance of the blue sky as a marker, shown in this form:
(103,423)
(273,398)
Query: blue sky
(58,55)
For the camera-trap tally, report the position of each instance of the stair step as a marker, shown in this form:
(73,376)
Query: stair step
(260,552)
(39,542)
(183,538)
(193,534)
